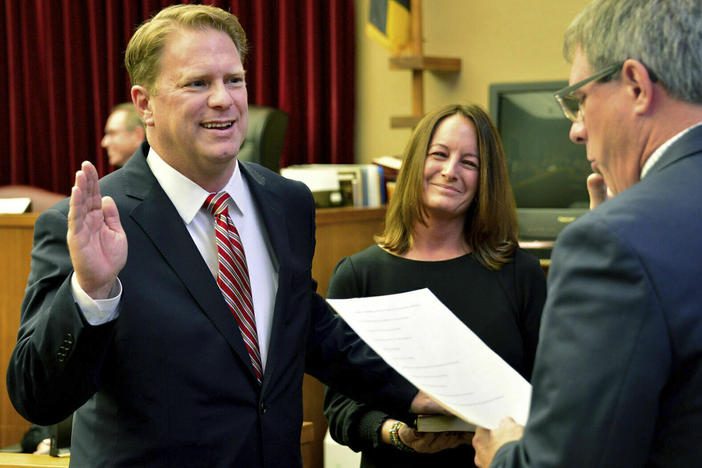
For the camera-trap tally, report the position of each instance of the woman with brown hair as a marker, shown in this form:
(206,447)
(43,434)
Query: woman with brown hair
(451,226)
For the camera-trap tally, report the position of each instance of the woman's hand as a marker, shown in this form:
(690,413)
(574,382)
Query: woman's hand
(422,442)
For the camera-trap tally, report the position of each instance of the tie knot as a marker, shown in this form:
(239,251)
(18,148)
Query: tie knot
(216,203)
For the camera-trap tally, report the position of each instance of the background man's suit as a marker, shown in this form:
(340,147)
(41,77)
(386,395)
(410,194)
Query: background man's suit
(169,383)
(619,363)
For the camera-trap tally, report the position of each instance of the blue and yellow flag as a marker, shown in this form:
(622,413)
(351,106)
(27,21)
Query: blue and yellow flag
(389,23)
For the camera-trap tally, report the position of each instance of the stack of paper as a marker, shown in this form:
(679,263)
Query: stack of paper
(351,184)
(426,343)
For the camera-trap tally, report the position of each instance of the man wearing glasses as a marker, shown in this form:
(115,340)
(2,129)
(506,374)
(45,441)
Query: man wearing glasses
(618,375)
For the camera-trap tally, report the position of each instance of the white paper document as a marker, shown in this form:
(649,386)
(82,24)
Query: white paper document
(419,337)
(14,205)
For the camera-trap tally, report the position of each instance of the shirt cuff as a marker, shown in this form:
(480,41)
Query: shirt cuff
(97,311)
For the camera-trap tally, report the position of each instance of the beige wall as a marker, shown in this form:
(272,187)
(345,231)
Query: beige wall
(497,41)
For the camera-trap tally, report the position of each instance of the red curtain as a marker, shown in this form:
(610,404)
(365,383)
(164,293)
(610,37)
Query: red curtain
(64,72)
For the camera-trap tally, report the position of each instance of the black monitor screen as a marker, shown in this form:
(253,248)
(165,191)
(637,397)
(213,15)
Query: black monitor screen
(547,170)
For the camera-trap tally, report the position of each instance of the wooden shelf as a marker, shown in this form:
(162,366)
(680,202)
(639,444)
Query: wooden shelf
(423,62)
(418,63)
(406,121)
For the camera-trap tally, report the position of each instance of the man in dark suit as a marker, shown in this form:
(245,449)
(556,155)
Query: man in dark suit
(618,375)
(143,346)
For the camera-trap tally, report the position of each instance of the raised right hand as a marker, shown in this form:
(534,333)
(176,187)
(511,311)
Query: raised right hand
(96,241)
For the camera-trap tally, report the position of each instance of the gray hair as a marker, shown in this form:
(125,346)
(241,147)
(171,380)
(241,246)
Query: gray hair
(133,120)
(665,35)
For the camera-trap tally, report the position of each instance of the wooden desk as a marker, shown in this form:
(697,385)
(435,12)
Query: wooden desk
(340,232)
(16,235)
(18,460)
(545,265)
(307,434)
(306,439)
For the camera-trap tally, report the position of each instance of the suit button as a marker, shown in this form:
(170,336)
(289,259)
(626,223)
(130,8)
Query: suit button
(262,408)
(68,339)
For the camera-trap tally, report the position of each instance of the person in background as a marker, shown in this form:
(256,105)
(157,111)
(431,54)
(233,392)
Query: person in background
(618,374)
(450,227)
(170,306)
(124,133)
(36,440)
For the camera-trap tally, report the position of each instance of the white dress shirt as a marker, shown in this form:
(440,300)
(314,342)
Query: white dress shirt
(656,155)
(188,199)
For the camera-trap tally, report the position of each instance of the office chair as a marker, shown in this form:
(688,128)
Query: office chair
(265,137)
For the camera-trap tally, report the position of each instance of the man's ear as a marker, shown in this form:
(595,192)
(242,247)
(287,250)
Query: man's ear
(639,85)
(142,100)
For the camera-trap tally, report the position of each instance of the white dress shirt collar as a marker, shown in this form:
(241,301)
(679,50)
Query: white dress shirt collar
(187,196)
(656,155)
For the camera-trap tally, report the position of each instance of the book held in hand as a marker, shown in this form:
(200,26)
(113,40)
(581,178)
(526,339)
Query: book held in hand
(442,423)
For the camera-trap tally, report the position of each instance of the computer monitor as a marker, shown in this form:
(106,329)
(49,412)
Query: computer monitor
(547,170)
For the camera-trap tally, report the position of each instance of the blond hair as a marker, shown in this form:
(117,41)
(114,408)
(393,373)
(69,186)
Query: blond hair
(143,54)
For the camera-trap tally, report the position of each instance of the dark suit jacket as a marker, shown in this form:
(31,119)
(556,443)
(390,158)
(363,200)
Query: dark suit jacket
(618,375)
(169,382)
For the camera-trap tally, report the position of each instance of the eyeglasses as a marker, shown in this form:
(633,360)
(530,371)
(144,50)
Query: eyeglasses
(570,103)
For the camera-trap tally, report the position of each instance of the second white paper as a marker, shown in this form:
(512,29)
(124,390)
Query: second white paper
(422,340)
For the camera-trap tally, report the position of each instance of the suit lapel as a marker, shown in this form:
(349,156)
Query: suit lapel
(269,206)
(161,223)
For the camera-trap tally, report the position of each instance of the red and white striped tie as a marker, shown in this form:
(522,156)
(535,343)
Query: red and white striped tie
(233,276)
